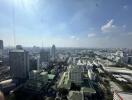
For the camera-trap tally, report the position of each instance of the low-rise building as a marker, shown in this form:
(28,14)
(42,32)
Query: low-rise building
(122,96)
(64,81)
(7,85)
(39,76)
(75,95)
(75,75)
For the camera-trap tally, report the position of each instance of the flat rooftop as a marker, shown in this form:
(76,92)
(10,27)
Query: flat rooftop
(124,95)
(16,50)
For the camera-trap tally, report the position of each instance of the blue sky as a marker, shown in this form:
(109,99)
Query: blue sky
(66,23)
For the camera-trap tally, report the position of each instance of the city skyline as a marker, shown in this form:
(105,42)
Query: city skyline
(70,23)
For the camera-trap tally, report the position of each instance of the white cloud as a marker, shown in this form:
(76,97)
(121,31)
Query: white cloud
(124,26)
(125,7)
(91,35)
(109,27)
(74,37)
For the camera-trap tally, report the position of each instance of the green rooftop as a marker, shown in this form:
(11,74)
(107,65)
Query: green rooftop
(51,76)
(65,82)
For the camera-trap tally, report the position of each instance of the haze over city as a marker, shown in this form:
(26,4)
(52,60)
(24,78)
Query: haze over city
(66,23)
(65,49)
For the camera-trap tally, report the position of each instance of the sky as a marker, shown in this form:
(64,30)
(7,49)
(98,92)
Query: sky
(67,23)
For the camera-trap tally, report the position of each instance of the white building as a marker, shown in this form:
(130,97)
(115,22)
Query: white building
(121,57)
(75,74)
(91,74)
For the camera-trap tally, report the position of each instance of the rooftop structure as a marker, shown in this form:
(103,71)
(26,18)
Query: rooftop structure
(75,95)
(87,91)
(37,75)
(51,76)
(118,70)
(19,47)
(38,80)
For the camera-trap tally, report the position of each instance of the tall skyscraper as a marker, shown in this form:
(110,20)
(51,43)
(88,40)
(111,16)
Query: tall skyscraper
(53,52)
(19,64)
(1,49)
(44,56)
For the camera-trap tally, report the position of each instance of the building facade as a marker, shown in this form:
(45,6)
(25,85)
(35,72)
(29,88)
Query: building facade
(19,47)
(1,49)
(53,52)
(75,75)
(19,64)
(44,56)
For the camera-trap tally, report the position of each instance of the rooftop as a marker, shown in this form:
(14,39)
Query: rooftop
(75,95)
(51,76)
(65,82)
(6,81)
(87,90)
(124,95)
(16,50)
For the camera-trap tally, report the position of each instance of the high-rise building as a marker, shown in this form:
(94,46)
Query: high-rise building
(44,56)
(1,49)
(19,47)
(34,63)
(1,44)
(38,62)
(53,52)
(129,59)
(19,64)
